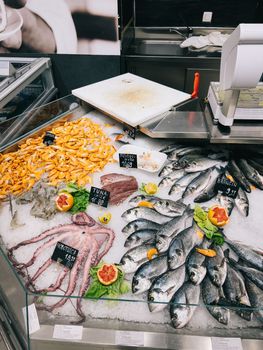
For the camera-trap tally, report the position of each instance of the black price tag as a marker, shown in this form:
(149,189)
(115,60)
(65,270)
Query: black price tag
(128,160)
(49,138)
(99,196)
(65,255)
(226,186)
(130,131)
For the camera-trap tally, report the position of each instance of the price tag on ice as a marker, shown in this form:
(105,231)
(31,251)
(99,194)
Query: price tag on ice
(99,196)
(130,131)
(226,186)
(226,343)
(65,255)
(128,160)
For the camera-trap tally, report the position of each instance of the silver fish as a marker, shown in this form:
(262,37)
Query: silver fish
(249,256)
(242,202)
(169,180)
(256,299)
(226,202)
(170,148)
(202,164)
(236,294)
(135,257)
(134,201)
(169,168)
(252,274)
(198,183)
(174,154)
(180,185)
(217,267)
(145,213)
(189,150)
(256,165)
(168,207)
(238,175)
(250,173)
(196,267)
(211,296)
(209,192)
(184,304)
(164,287)
(140,237)
(168,231)
(181,246)
(147,273)
(140,224)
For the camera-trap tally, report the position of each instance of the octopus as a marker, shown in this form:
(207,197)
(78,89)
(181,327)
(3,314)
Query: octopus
(92,240)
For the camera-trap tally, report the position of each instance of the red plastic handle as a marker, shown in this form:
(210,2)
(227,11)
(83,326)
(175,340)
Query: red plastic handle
(196,85)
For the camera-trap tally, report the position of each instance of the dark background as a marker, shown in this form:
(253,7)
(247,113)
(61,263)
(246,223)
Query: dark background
(155,13)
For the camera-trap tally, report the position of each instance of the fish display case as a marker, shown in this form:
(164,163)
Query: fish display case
(167,294)
(25,83)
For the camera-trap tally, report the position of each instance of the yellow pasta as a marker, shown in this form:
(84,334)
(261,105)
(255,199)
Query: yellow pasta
(80,148)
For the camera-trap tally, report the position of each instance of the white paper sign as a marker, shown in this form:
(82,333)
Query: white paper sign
(67,332)
(129,338)
(33,321)
(226,343)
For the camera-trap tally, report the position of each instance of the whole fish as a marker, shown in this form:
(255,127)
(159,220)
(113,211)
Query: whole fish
(140,224)
(242,202)
(147,273)
(182,244)
(188,158)
(202,164)
(135,257)
(140,237)
(190,150)
(248,255)
(180,185)
(196,267)
(134,201)
(256,299)
(256,165)
(168,207)
(238,175)
(250,173)
(169,168)
(164,287)
(170,148)
(169,180)
(226,202)
(184,304)
(209,191)
(198,183)
(145,213)
(217,267)
(168,231)
(236,294)
(211,296)
(174,154)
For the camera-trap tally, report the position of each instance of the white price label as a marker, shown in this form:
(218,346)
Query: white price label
(226,343)
(129,338)
(33,321)
(67,332)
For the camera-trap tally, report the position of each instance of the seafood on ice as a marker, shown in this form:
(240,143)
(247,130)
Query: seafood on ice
(91,239)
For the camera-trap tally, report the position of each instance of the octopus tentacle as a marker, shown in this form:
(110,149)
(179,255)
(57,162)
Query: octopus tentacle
(72,280)
(83,219)
(91,258)
(39,250)
(109,242)
(53,231)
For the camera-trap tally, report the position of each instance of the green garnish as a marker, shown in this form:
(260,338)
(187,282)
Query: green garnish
(97,289)
(211,231)
(141,188)
(80,195)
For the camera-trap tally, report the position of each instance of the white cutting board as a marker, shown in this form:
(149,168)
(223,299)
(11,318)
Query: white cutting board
(130,98)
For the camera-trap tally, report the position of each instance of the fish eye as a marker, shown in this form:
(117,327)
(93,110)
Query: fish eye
(151,298)
(135,282)
(175,317)
(178,252)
